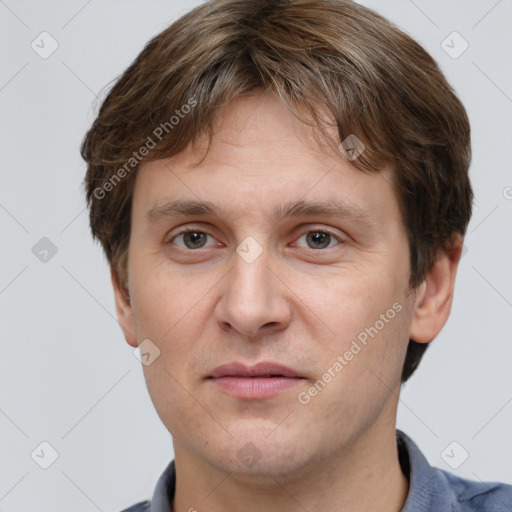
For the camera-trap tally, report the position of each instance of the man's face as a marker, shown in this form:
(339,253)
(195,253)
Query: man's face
(254,284)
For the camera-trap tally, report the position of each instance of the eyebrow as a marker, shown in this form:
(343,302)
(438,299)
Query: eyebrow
(340,208)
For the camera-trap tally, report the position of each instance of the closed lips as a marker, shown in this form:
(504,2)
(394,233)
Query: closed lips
(261,370)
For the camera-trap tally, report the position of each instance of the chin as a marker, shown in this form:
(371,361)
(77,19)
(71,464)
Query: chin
(262,453)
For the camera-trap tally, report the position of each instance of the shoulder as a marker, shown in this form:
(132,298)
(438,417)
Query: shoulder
(433,489)
(163,494)
(479,496)
(142,506)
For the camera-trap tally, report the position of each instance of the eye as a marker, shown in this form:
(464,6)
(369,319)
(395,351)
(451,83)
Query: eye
(190,239)
(319,239)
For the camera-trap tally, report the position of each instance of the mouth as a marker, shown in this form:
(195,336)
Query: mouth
(262,380)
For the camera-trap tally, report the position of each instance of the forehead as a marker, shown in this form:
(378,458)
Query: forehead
(264,158)
(260,119)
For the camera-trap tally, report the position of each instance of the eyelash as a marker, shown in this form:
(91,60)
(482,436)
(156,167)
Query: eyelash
(324,231)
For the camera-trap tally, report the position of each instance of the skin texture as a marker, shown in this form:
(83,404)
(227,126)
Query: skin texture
(298,304)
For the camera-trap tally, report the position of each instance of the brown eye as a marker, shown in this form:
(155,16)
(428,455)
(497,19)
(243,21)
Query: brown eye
(318,239)
(190,239)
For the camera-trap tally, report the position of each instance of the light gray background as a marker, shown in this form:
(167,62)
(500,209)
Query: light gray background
(66,374)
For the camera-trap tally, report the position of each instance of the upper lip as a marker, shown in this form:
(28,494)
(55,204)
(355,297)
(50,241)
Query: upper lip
(263,369)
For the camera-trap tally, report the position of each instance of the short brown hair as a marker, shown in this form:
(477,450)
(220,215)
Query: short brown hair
(317,56)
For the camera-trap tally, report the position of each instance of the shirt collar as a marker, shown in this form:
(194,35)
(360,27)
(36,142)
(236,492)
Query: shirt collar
(164,490)
(426,490)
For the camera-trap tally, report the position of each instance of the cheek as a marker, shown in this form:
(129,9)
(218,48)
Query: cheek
(368,318)
(349,304)
(172,315)
(164,299)
(174,310)
(363,370)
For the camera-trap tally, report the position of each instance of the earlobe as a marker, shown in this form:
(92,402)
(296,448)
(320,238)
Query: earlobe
(124,310)
(435,295)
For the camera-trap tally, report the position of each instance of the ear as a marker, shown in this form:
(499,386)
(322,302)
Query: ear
(124,310)
(434,296)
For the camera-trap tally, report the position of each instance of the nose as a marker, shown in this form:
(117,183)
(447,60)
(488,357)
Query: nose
(253,300)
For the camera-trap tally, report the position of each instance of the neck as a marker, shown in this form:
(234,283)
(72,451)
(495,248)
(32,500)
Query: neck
(365,476)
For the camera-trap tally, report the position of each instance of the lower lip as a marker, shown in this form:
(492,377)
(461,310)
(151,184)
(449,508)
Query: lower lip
(255,387)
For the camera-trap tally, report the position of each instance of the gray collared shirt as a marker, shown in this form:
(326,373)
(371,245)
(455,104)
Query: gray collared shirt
(430,489)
